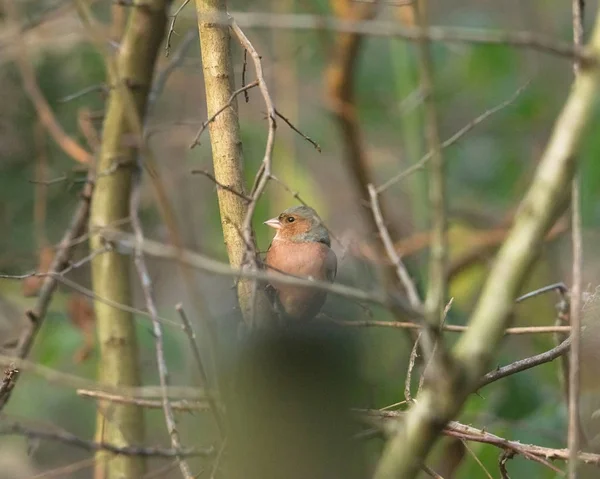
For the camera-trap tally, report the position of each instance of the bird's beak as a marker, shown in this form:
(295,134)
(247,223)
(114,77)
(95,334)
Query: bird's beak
(273,223)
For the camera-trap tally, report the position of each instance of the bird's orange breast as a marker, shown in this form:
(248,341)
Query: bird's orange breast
(309,259)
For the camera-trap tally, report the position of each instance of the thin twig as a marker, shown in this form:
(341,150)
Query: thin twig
(177,59)
(147,288)
(84,91)
(221,110)
(172,27)
(532,452)
(506,455)
(419,165)
(451,327)
(189,331)
(427,470)
(45,114)
(263,178)
(291,125)
(435,345)
(180,405)
(401,271)
(64,437)
(61,260)
(264,173)
(384,28)
(524,364)
(578,8)
(211,177)
(560,287)
(244,68)
(411,364)
(477,460)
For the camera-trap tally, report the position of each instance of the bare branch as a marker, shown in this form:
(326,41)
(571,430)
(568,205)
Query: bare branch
(221,110)
(172,26)
(16,429)
(573,437)
(401,271)
(525,364)
(419,165)
(532,452)
(383,28)
(291,125)
(44,112)
(157,332)
(189,331)
(181,405)
(61,260)
(451,327)
(211,177)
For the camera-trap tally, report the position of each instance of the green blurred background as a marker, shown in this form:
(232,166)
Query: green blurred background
(488,171)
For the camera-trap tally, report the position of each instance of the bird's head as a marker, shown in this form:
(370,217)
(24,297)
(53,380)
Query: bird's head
(299,224)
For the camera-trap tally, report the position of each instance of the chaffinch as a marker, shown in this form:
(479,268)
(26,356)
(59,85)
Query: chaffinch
(300,248)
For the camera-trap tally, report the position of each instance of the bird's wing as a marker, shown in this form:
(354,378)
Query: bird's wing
(331,265)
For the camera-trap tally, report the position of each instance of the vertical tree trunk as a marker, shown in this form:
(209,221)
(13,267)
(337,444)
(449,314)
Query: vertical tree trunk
(226,144)
(118,363)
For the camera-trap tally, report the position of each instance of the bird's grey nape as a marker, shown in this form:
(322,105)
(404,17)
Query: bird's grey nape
(302,210)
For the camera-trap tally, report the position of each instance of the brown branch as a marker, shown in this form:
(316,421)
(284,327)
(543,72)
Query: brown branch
(172,26)
(225,106)
(43,110)
(340,94)
(180,405)
(264,175)
(401,271)
(525,364)
(574,430)
(426,469)
(175,62)
(291,125)
(62,257)
(506,455)
(532,452)
(451,328)
(383,28)
(16,429)
(411,364)
(211,177)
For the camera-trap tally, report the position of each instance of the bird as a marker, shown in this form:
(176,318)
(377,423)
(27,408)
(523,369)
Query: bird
(301,247)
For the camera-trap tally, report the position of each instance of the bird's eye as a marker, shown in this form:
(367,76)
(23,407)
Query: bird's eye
(291,219)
